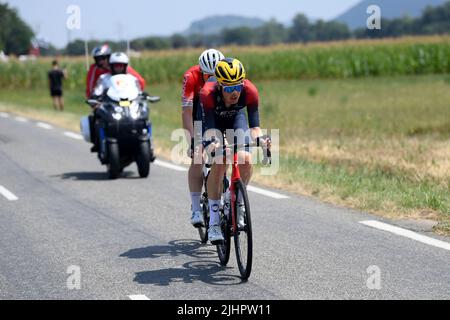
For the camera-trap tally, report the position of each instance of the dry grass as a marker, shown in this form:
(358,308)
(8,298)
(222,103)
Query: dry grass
(420,158)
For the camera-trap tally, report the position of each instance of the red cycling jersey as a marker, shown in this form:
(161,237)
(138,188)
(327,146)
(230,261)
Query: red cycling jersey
(95,72)
(92,77)
(192,84)
(216,112)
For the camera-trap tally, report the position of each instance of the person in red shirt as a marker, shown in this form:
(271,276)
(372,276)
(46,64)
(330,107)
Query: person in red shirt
(101,66)
(194,80)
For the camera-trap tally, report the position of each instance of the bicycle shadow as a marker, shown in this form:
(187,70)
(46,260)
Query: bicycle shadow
(92,176)
(206,271)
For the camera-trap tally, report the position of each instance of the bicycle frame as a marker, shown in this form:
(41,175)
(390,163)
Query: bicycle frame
(235,176)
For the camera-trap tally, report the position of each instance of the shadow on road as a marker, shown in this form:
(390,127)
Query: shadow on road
(92,176)
(206,271)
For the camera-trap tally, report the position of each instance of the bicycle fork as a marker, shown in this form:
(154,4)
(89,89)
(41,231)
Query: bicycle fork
(235,177)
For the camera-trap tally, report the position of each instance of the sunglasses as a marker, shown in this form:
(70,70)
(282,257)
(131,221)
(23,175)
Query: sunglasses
(231,89)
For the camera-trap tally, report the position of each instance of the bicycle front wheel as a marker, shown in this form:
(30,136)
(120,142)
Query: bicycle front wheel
(243,240)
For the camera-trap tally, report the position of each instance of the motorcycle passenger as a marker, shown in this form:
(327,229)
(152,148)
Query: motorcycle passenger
(118,64)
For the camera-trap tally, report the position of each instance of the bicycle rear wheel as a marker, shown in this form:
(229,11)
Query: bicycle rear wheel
(203,231)
(243,240)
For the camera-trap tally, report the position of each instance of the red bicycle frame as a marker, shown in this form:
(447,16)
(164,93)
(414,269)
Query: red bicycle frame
(235,177)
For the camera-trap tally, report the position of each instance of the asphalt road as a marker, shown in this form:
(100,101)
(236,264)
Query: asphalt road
(62,218)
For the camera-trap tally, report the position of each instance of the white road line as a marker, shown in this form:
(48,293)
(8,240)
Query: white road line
(73,135)
(266,193)
(44,125)
(21,119)
(4,115)
(407,233)
(8,194)
(138,297)
(170,166)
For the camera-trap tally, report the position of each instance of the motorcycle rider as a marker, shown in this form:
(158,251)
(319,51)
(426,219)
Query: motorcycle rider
(118,64)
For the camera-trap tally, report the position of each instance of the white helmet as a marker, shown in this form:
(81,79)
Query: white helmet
(119,57)
(209,59)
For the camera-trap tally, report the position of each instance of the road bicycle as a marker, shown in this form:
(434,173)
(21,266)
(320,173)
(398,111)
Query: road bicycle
(233,190)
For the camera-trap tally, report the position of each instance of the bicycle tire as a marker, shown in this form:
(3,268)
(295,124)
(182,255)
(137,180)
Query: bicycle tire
(244,257)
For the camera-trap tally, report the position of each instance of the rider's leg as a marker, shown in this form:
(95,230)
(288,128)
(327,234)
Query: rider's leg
(245,166)
(215,186)
(195,180)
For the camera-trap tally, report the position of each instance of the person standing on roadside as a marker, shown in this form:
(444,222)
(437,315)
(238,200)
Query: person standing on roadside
(55,81)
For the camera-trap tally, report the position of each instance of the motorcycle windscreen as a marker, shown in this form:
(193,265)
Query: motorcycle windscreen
(123,87)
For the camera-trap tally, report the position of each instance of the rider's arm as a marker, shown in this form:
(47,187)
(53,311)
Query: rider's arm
(138,76)
(187,104)
(252,102)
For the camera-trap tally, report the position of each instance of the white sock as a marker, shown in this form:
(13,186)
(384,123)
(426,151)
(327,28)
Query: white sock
(214,210)
(195,199)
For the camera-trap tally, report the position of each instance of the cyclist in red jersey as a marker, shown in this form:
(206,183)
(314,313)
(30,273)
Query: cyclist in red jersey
(101,66)
(224,103)
(194,79)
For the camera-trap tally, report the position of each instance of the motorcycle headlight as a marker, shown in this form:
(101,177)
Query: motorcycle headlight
(117,116)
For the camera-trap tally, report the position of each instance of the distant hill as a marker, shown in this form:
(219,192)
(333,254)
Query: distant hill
(356,16)
(215,24)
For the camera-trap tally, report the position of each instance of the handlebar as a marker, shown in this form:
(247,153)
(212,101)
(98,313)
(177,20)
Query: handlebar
(151,99)
(266,152)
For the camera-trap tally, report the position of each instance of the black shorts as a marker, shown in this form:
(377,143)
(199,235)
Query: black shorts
(238,123)
(56,92)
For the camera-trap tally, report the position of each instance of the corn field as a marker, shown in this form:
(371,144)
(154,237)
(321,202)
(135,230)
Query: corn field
(349,59)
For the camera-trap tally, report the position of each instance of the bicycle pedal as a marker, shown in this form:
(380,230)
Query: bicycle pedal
(199,225)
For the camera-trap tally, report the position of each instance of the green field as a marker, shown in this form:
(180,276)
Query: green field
(348,59)
(379,144)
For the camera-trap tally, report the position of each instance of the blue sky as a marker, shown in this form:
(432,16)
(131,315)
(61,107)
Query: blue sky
(111,19)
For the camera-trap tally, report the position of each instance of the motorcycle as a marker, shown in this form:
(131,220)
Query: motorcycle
(121,126)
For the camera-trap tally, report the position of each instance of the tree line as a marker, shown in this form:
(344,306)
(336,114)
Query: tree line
(434,20)
(15,35)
